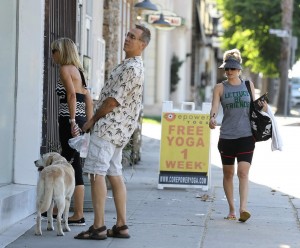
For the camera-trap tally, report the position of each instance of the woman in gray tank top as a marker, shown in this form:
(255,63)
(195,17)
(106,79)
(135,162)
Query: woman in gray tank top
(236,140)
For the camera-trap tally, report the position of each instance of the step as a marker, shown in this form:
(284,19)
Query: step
(16,203)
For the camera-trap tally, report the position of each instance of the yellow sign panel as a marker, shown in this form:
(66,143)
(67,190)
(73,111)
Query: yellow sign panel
(185,143)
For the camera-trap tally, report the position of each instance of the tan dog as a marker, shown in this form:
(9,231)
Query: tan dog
(56,185)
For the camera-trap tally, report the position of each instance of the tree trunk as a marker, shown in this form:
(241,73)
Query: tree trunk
(284,65)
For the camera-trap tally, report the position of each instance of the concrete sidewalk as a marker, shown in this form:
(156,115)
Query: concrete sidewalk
(173,218)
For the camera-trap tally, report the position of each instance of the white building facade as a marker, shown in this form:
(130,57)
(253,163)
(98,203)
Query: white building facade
(21,79)
(192,43)
(22,76)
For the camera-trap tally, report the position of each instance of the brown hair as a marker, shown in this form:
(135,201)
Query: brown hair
(233,54)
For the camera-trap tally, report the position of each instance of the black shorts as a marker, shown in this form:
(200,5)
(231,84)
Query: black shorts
(241,148)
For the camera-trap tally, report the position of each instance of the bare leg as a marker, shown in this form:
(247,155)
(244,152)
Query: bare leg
(243,173)
(78,203)
(120,197)
(99,192)
(228,173)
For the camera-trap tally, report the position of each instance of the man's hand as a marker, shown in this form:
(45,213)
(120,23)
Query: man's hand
(88,125)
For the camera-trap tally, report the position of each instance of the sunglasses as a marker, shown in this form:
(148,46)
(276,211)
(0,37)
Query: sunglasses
(232,69)
(131,36)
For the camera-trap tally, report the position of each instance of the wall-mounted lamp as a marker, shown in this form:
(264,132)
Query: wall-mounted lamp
(157,19)
(146,5)
(161,22)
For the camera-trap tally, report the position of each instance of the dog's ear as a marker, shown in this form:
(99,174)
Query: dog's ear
(49,160)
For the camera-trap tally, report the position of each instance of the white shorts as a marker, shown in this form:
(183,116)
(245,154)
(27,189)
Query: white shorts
(103,158)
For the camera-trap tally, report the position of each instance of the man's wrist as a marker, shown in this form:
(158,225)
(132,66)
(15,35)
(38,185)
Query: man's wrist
(94,119)
(72,121)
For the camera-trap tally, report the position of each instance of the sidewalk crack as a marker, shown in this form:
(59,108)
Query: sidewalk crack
(207,218)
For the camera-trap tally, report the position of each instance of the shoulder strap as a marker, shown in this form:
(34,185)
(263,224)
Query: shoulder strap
(247,82)
(82,78)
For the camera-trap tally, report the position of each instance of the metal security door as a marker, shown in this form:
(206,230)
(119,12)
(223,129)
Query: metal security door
(60,21)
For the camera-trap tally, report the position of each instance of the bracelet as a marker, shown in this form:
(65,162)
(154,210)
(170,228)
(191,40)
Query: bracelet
(72,120)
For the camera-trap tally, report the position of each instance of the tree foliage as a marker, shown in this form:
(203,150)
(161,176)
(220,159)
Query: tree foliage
(246,27)
(174,78)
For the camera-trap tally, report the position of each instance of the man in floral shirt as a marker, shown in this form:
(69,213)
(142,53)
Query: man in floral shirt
(111,127)
(125,85)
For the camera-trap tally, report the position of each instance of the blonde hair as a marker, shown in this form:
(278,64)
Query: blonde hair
(233,54)
(67,51)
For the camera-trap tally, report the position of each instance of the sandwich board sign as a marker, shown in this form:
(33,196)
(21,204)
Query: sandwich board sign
(184,148)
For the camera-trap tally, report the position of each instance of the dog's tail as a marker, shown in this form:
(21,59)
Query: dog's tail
(45,194)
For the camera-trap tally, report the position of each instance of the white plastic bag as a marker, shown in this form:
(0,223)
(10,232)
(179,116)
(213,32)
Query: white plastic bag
(81,144)
(85,146)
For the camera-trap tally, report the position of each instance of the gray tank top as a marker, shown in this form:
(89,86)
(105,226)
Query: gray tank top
(236,103)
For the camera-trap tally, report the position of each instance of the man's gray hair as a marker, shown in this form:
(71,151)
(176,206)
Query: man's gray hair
(146,35)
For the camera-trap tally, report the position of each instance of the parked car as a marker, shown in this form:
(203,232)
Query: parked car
(294,91)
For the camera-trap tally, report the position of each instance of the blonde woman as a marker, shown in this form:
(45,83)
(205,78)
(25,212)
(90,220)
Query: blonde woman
(236,140)
(75,108)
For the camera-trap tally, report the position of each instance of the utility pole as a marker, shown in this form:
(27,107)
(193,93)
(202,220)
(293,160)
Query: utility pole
(285,65)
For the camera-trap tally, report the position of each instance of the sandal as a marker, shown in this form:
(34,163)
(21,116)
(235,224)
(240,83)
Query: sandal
(92,233)
(115,232)
(244,216)
(80,222)
(230,217)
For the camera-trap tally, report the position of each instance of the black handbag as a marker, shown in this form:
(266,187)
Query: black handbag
(261,125)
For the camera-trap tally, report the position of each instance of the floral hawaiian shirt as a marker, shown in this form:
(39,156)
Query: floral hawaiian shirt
(125,84)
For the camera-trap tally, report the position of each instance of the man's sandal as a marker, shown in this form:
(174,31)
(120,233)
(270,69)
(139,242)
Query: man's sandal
(115,232)
(92,233)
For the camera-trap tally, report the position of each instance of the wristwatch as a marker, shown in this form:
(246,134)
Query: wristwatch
(72,120)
